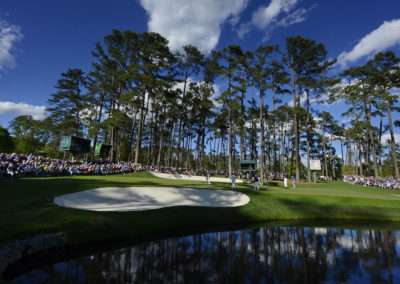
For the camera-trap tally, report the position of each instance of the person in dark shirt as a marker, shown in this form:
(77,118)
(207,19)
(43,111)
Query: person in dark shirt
(256,183)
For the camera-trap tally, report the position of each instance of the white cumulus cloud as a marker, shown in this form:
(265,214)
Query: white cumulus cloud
(384,37)
(322,99)
(296,17)
(9,35)
(386,137)
(281,13)
(194,22)
(10,108)
(264,16)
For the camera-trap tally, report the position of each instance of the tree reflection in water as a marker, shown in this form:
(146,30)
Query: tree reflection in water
(263,255)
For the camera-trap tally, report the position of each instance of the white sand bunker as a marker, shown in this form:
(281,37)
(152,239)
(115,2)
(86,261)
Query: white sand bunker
(145,198)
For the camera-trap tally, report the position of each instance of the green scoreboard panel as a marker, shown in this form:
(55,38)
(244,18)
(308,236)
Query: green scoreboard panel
(102,149)
(75,144)
(248,165)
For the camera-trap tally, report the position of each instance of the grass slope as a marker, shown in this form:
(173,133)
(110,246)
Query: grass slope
(26,207)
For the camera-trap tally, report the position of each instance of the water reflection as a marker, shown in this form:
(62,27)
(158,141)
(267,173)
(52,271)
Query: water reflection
(262,255)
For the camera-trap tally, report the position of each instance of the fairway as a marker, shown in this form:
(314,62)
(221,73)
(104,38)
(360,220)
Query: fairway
(27,207)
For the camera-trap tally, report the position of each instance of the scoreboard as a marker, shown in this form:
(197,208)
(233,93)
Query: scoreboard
(75,144)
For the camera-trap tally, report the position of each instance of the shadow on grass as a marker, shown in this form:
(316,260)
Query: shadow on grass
(314,209)
(61,185)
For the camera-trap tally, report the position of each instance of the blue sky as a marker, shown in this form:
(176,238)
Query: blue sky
(42,38)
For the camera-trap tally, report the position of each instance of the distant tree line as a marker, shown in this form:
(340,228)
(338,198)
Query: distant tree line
(161,108)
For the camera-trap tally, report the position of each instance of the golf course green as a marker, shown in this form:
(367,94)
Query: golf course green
(27,208)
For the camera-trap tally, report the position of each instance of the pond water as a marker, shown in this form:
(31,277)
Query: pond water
(263,255)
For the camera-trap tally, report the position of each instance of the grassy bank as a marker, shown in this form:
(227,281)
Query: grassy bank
(26,207)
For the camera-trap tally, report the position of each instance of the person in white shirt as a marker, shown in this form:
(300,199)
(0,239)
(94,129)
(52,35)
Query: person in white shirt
(233,178)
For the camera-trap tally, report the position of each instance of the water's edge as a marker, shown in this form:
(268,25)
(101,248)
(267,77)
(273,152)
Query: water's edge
(13,252)
(20,256)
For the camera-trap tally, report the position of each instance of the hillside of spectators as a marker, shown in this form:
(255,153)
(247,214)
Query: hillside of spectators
(23,165)
(187,171)
(389,183)
(28,165)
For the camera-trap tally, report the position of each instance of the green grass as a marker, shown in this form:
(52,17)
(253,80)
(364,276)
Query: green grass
(26,207)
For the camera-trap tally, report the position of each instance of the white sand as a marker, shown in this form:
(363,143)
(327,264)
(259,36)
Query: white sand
(146,198)
(195,178)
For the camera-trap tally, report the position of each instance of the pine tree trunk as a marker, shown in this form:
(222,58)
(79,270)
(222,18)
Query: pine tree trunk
(161,138)
(188,151)
(160,146)
(380,144)
(131,134)
(224,151)
(252,138)
(275,164)
(371,137)
(372,142)
(393,142)
(330,160)
(356,168)
(341,149)
(230,128)
(97,129)
(183,148)
(77,118)
(356,156)
(217,153)
(269,151)
(203,137)
(198,151)
(308,136)
(324,151)
(112,134)
(242,128)
(140,129)
(296,126)
(178,149)
(150,149)
(262,142)
(360,160)
(181,122)
(282,166)
(367,154)
(230,146)
(169,153)
(292,152)
(213,148)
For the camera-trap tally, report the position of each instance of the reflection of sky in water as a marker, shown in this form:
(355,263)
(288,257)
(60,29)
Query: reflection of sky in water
(273,254)
(43,276)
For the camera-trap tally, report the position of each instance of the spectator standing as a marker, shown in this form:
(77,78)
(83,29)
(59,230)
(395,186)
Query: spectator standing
(294,182)
(285,182)
(233,178)
(256,183)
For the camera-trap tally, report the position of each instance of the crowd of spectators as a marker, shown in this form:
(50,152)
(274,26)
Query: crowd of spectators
(23,165)
(186,171)
(389,183)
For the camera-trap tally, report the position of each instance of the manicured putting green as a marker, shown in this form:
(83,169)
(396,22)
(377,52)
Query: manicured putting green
(27,207)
